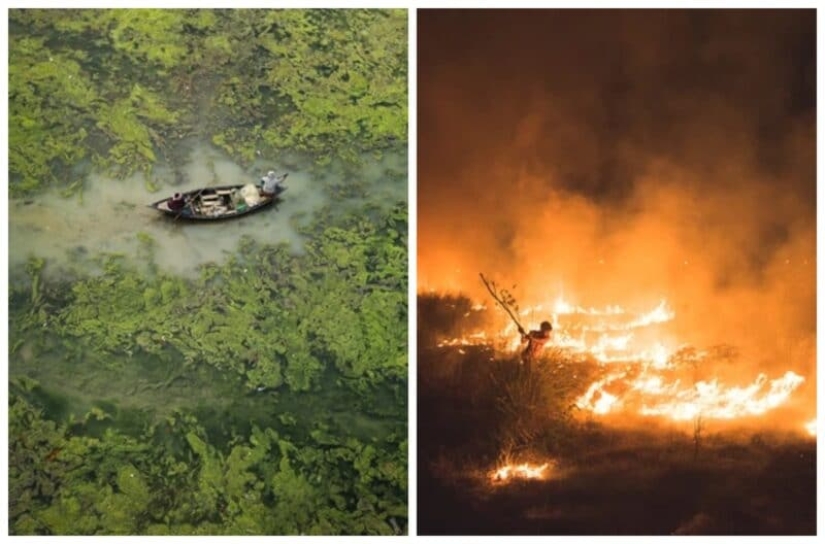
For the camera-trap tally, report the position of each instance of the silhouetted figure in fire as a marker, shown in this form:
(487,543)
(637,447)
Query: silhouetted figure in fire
(535,342)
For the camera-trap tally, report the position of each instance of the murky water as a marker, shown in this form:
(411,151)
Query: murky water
(109,214)
(67,378)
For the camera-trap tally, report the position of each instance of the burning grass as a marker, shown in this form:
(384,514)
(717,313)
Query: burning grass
(504,450)
(522,471)
(643,367)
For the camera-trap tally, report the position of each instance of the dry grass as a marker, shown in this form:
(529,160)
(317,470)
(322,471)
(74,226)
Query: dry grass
(478,411)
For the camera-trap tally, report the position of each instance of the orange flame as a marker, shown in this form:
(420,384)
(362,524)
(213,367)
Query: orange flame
(614,336)
(709,399)
(524,471)
(660,314)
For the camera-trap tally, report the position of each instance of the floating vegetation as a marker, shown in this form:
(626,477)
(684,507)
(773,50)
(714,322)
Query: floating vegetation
(288,329)
(267,392)
(123,87)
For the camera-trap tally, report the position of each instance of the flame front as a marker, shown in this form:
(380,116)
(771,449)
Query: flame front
(523,471)
(712,400)
(642,375)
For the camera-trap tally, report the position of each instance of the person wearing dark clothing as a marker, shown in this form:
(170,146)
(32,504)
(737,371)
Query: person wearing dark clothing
(177,202)
(535,342)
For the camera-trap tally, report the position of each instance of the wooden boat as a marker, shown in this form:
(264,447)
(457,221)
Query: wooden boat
(218,203)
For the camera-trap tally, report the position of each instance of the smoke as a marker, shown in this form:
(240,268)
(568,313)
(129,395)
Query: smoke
(622,157)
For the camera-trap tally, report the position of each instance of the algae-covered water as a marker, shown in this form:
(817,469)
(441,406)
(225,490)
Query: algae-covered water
(109,213)
(239,377)
(134,390)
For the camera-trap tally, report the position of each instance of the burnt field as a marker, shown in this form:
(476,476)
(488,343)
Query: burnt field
(480,412)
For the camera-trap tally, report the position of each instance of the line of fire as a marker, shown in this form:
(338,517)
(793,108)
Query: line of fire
(608,373)
(616,272)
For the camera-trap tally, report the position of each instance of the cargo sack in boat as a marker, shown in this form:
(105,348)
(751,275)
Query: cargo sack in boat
(250,194)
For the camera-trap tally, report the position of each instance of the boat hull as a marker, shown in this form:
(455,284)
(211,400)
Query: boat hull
(214,204)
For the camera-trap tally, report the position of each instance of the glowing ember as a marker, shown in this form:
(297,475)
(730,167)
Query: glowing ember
(524,471)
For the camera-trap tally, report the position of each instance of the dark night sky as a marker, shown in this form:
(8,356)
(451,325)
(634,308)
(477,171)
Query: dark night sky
(622,152)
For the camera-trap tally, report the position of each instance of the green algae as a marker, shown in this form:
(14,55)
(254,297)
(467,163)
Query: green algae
(122,87)
(267,395)
(147,374)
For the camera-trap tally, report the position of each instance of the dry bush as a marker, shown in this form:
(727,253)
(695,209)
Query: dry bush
(536,405)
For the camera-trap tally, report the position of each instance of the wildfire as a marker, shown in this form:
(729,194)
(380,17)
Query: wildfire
(524,471)
(648,377)
(474,339)
(810,427)
(596,399)
(596,332)
(712,400)
(562,307)
(661,314)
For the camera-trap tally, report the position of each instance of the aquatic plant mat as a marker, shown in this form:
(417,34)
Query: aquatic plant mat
(268,396)
(242,379)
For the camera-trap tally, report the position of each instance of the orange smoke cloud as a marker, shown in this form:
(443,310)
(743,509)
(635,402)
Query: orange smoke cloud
(588,156)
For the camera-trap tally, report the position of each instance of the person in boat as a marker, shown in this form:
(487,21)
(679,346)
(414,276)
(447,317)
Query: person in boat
(177,202)
(271,183)
(535,342)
